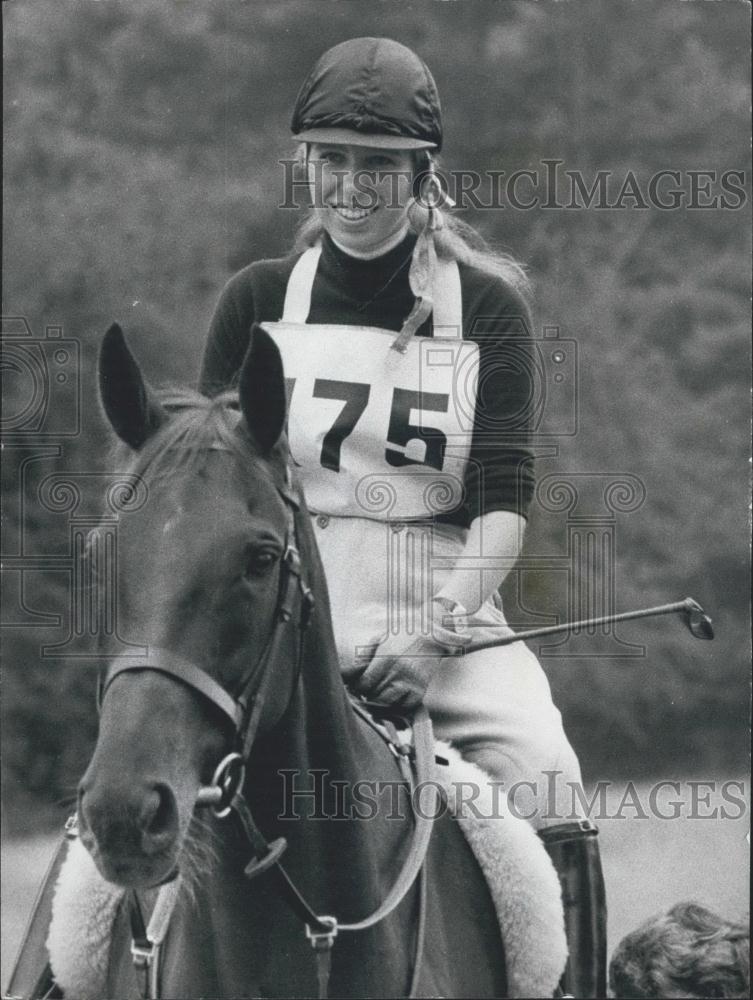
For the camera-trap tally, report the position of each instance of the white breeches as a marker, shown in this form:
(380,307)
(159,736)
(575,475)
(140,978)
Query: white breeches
(495,705)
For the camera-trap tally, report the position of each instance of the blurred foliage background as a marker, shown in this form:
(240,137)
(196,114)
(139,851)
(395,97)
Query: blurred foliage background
(141,170)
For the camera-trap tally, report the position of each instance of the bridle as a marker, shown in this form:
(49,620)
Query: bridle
(224,795)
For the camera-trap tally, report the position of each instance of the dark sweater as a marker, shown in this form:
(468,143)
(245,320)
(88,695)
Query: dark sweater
(377,293)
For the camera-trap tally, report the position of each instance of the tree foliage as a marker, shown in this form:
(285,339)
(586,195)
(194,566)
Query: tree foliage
(141,169)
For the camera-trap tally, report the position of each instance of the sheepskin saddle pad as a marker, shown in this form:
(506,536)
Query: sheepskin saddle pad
(523,883)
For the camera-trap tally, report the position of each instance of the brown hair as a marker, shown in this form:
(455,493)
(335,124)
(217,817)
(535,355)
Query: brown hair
(688,952)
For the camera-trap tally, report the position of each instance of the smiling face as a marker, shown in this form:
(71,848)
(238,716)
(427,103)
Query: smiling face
(361,194)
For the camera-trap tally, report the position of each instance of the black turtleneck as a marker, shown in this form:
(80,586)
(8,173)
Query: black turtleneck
(377,293)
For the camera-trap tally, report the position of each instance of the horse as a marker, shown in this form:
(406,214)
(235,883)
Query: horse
(219,581)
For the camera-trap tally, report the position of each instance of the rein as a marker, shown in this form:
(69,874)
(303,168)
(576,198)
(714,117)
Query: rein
(225,793)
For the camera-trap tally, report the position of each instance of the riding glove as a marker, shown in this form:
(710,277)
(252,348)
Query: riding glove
(397,670)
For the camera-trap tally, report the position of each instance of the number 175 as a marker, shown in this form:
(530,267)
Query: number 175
(400,431)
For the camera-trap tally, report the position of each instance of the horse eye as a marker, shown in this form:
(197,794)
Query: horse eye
(260,561)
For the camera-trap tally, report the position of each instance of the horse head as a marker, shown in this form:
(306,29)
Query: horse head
(200,569)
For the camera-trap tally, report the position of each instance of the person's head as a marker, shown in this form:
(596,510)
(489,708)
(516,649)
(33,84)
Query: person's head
(368,113)
(688,952)
(369,124)
(361,194)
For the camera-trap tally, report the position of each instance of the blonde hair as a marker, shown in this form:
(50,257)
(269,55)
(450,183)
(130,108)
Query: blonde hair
(454,240)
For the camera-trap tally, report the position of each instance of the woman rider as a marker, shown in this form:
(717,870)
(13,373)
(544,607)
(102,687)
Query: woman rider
(406,346)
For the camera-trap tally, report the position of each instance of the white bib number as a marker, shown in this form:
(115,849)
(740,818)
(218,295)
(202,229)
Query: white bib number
(376,433)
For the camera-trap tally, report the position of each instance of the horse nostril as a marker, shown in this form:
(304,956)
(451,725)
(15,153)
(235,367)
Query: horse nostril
(158,819)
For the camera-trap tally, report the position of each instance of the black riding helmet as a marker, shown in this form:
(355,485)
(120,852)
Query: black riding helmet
(369,92)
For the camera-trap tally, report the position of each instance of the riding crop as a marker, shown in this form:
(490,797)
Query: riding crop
(697,621)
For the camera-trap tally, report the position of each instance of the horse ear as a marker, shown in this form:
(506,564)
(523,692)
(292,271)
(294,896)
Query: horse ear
(261,389)
(130,405)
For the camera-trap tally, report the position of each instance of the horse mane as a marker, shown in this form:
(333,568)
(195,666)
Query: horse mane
(197,425)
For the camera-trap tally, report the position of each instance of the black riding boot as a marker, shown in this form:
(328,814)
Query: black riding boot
(574,850)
